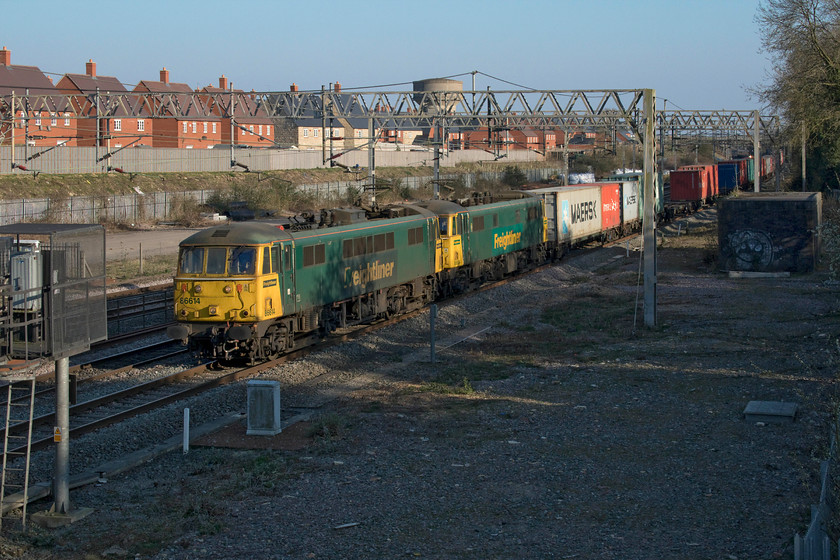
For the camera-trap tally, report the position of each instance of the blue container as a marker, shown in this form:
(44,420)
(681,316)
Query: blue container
(727,177)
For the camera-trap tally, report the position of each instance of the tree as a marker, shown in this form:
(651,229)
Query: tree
(513,176)
(803,39)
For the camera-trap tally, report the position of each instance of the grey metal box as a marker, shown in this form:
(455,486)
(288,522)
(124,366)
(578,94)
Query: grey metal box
(263,408)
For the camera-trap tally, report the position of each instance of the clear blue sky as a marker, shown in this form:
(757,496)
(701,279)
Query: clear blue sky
(697,54)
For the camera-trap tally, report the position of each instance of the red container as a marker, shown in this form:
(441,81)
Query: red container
(610,206)
(711,173)
(689,185)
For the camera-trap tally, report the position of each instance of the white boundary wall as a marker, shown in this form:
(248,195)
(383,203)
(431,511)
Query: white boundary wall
(170,160)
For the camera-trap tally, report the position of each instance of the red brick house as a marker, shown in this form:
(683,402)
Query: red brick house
(117,131)
(44,121)
(193,129)
(254,131)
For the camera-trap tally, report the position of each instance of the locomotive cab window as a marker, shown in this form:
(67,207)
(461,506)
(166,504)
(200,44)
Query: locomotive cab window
(242,260)
(216,258)
(192,260)
(275,258)
(444,226)
(266,265)
(478,223)
(287,258)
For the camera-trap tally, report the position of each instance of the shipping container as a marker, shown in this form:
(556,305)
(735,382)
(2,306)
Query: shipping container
(689,185)
(710,171)
(631,205)
(610,207)
(729,177)
(658,193)
(573,213)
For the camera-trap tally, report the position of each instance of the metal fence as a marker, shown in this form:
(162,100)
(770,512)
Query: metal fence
(816,544)
(163,206)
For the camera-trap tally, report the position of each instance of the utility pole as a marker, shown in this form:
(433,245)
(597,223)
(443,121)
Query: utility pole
(437,163)
(232,125)
(804,140)
(98,132)
(372,161)
(756,153)
(648,222)
(324,124)
(13,127)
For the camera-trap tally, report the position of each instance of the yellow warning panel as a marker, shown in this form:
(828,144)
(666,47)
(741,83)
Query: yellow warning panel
(57,434)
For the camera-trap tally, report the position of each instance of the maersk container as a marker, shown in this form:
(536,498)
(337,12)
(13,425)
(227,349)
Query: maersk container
(610,206)
(631,203)
(689,185)
(573,213)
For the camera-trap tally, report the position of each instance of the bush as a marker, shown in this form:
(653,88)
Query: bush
(514,177)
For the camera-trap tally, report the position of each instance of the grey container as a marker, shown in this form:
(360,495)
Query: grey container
(769,232)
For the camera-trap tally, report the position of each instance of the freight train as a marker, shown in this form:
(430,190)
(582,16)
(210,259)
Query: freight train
(255,290)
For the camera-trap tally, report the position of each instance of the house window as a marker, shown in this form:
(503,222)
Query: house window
(315,133)
(194,127)
(141,125)
(305,132)
(260,130)
(38,120)
(117,125)
(251,129)
(205,127)
(66,119)
(185,127)
(214,128)
(53,120)
(268,130)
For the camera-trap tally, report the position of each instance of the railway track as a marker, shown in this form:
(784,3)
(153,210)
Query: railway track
(106,410)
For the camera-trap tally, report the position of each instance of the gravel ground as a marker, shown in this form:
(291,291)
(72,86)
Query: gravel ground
(554,426)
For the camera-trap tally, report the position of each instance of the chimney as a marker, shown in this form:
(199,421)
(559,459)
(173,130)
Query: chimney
(293,88)
(164,75)
(337,87)
(5,57)
(223,82)
(90,68)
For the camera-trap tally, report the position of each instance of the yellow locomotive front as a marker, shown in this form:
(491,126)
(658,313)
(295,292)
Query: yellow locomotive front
(225,295)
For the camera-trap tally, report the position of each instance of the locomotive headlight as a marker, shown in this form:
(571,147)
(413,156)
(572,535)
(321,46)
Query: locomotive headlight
(184,312)
(244,312)
(197,288)
(227,289)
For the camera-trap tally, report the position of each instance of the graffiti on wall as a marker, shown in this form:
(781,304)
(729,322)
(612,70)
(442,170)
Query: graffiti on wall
(748,249)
